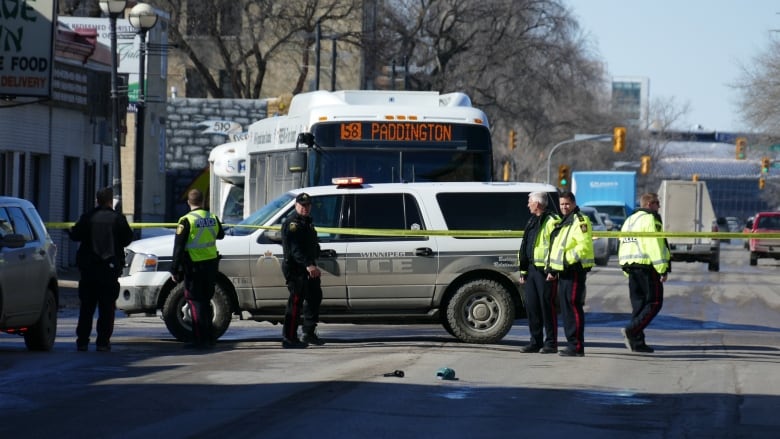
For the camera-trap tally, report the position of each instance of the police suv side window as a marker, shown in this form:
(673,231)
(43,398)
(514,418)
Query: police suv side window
(484,210)
(386,211)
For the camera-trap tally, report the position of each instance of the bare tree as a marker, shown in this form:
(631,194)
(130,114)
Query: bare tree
(522,61)
(242,39)
(759,88)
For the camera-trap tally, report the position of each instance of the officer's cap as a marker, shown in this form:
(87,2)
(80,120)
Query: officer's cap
(303,198)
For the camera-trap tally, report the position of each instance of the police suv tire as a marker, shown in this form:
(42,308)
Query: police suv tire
(41,335)
(480,311)
(181,329)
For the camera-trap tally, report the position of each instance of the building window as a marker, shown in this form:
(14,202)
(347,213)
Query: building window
(196,86)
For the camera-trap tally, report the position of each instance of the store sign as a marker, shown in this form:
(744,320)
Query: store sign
(26,47)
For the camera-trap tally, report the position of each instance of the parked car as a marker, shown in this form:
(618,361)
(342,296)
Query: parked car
(765,222)
(601,249)
(28,275)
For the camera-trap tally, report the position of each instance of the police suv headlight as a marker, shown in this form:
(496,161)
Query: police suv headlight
(144,262)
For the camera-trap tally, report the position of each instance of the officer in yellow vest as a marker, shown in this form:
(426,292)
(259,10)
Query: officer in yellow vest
(570,259)
(539,292)
(647,262)
(196,261)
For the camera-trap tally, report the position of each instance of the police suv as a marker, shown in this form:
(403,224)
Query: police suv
(441,253)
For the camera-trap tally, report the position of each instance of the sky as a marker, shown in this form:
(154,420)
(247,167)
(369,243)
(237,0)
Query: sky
(691,50)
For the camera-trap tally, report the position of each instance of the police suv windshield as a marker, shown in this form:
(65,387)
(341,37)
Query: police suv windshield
(261,216)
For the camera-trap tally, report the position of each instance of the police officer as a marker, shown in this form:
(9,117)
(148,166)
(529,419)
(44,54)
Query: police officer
(299,266)
(647,262)
(195,259)
(539,292)
(570,259)
(103,233)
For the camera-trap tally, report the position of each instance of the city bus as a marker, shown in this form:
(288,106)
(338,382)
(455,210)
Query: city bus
(382,136)
(227,166)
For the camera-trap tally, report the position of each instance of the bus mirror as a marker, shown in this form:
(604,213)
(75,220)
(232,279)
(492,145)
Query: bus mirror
(305,138)
(297,161)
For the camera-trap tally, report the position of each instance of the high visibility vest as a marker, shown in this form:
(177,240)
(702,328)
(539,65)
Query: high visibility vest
(573,244)
(542,244)
(644,250)
(202,240)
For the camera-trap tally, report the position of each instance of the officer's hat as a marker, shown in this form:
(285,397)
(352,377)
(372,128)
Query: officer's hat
(303,198)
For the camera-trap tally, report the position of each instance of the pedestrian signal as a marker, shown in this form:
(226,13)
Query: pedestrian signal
(761,183)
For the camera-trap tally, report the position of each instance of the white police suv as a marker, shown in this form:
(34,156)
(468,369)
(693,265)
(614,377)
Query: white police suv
(390,253)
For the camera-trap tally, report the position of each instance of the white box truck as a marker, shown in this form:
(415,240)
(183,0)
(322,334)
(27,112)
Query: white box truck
(686,207)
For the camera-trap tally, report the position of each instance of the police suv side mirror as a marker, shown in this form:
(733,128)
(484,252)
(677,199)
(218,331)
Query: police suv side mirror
(274,236)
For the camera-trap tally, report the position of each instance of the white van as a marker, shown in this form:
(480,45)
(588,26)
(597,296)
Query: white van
(429,264)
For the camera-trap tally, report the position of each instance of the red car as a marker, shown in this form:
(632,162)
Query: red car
(765,222)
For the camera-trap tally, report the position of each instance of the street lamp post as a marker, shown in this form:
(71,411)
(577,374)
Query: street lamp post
(576,138)
(142,17)
(114,8)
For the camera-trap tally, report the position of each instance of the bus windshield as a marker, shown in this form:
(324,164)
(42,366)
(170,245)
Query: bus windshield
(390,152)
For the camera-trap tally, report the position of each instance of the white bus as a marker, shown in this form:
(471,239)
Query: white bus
(227,166)
(381,136)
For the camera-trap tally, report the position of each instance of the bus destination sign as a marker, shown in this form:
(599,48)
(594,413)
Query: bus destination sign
(397,131)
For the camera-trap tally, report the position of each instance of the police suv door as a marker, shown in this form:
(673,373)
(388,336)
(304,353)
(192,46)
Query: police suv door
(389,272)
(267,279)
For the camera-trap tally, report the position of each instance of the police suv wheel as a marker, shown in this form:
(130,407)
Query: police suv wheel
(480,311)
(176,313)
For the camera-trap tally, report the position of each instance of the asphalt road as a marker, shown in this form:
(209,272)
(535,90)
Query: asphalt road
(713,375)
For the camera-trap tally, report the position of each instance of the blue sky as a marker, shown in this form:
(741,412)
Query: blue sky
(690,49)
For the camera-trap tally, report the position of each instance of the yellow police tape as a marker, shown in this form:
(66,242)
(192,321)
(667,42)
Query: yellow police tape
(471,233)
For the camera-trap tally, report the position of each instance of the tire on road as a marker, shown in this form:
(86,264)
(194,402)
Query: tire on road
(41,335)
(480,311)
(175,313)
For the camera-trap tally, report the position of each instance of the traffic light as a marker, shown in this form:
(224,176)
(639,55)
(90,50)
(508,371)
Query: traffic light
(512,139)
(741,147)
(695,177)
(619,139)
(644,168)
(506,171)
(765,162)
(761,183)
(564,176)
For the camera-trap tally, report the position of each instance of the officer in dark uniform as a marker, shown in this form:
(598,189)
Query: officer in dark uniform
(195,258)
(103,233)
(301,249)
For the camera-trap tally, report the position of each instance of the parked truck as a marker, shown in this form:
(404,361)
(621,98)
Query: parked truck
(686,207)
(610,192)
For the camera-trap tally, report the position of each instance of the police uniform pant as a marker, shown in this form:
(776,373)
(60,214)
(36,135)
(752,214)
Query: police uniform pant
(647,297)
(98,288)
(200,279)
(540,307)
(571,287)
(304,300)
